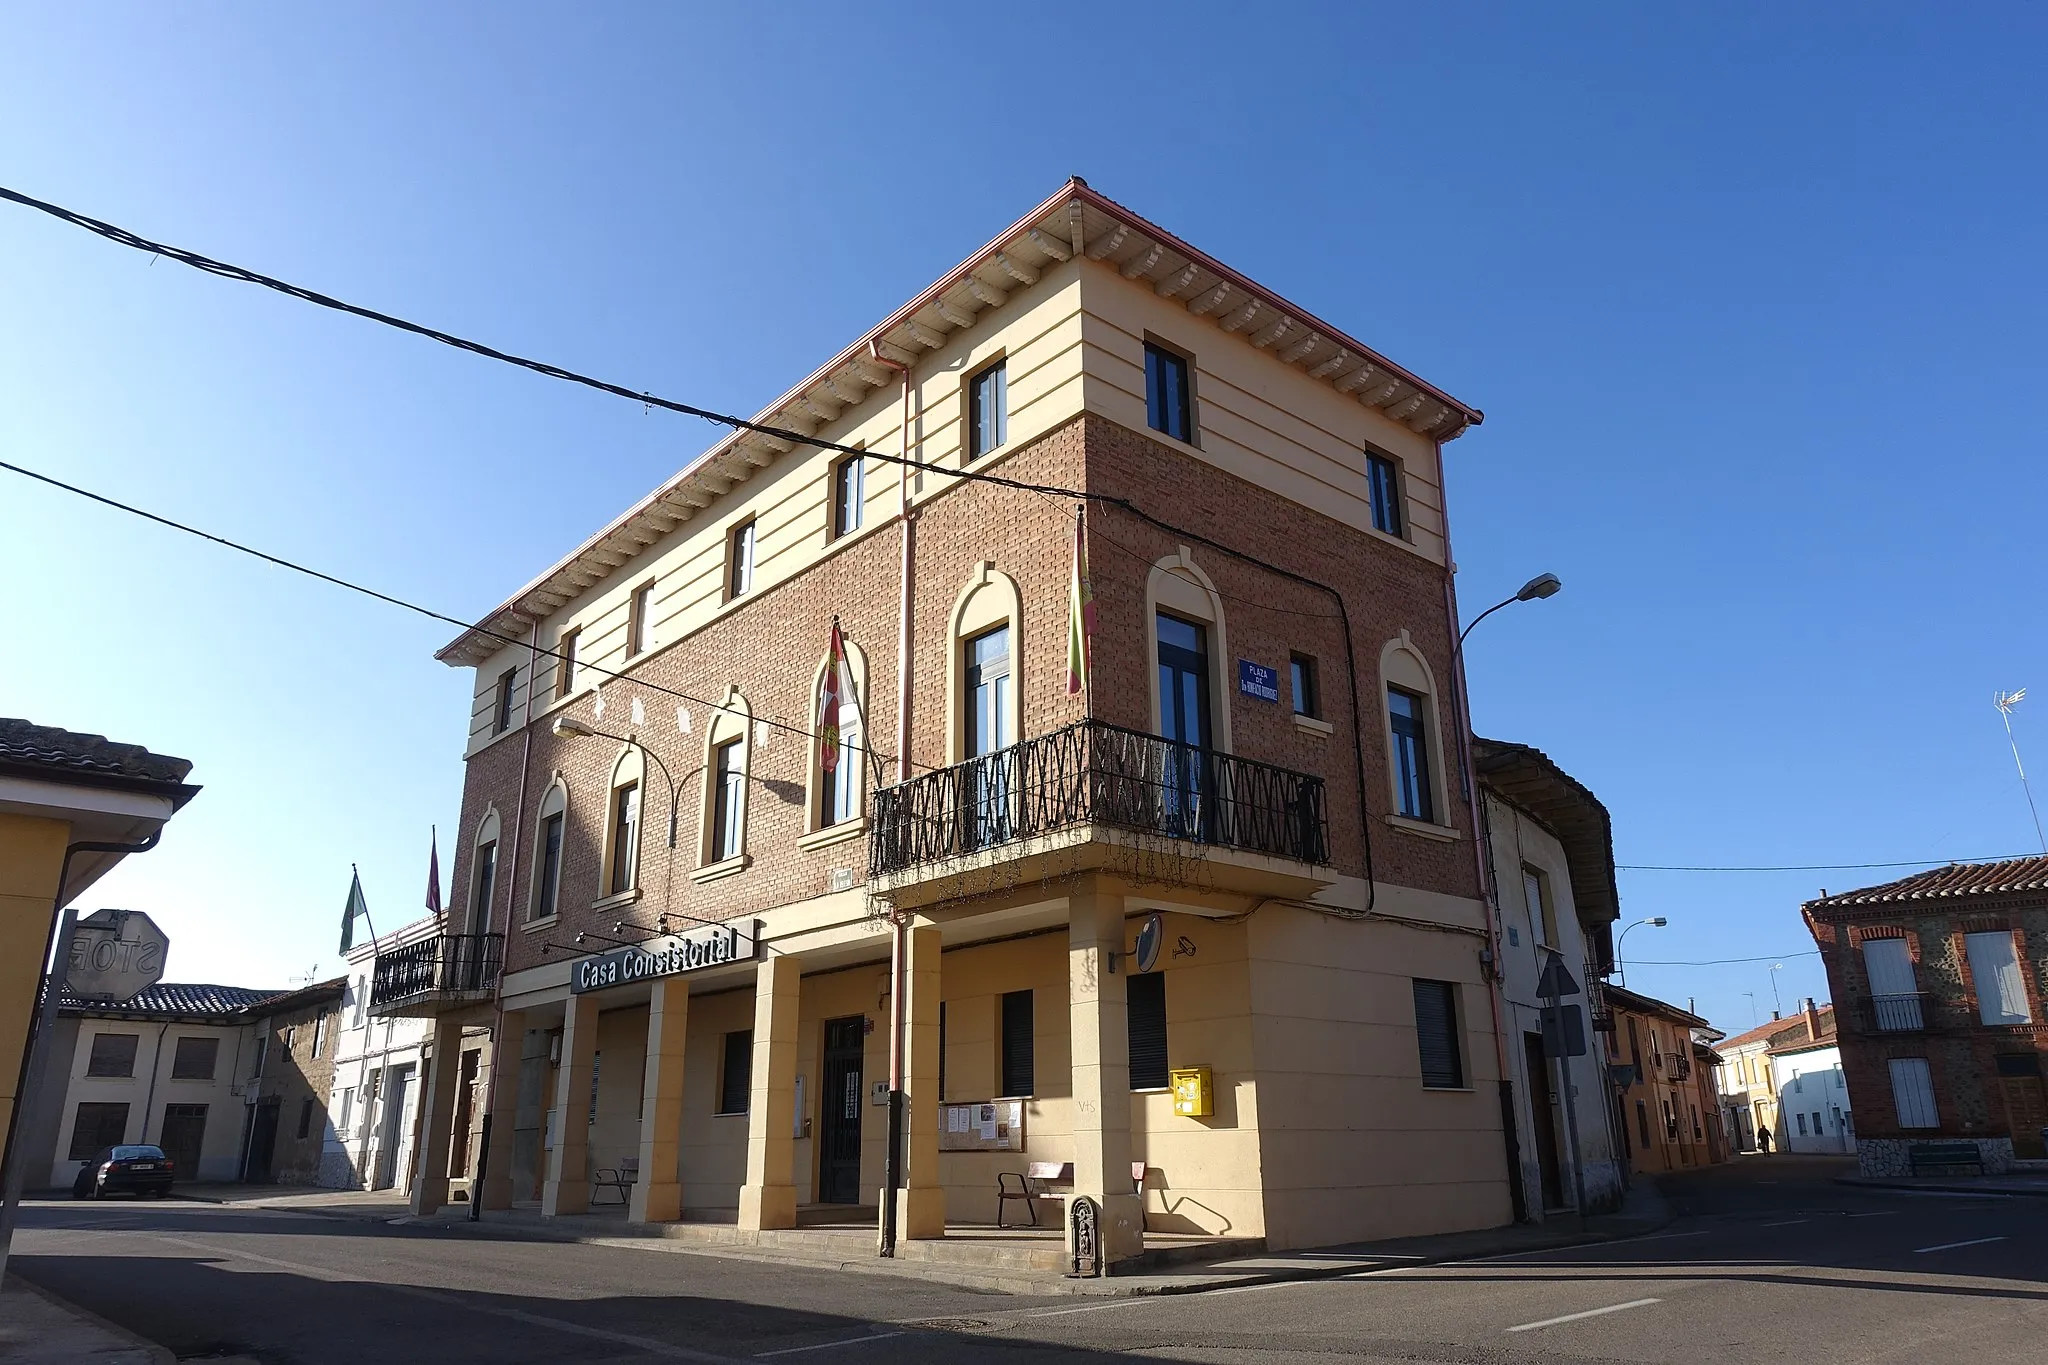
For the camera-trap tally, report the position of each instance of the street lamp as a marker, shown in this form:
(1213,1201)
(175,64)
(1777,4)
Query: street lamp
(1654,921)
(1541,586)
(568,727)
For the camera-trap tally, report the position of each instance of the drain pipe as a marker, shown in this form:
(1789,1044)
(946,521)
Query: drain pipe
(899,923)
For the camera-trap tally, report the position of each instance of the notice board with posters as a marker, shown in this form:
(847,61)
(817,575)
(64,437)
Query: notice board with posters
(983,1126)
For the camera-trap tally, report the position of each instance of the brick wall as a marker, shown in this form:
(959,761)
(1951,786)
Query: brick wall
(296,1075)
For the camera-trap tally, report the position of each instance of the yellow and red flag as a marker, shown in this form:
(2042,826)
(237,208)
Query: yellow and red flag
(828,717)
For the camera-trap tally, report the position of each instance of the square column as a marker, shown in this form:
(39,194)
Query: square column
(567,1189)
(921,1202)
(1097,1005)
(508,1046)
(437,1116)
(658,1193)
(768,1199)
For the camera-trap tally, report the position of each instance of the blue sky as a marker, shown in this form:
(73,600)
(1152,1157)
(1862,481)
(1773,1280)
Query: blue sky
(1752,298)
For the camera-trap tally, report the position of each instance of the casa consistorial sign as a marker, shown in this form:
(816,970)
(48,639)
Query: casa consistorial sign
(669,955)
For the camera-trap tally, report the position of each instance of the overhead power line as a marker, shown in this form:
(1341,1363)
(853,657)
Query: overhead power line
(1726,961)
(1819,867)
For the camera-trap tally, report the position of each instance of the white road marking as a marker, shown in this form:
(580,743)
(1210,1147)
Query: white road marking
(1788,1223)
(1119,1303)
(1951,1246)
(828,1345)
(1589,1313)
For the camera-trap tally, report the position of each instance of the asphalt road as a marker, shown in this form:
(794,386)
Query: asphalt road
(1768,1262)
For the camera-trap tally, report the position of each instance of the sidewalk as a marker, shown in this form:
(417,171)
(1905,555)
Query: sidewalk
(1645,1211)
(2033,1185)
(38,1328)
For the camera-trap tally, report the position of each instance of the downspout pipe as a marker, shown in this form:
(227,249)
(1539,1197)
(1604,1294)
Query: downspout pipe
(483,1146)
(899,922)
(35,1059)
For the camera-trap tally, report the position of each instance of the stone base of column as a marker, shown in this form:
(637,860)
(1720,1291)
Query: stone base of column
(562,1196)
(1122,1229)
(767,1206)
(920,1214)
(497,1191)
(656,1202)
(429,1194)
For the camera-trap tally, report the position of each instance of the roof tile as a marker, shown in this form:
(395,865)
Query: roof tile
(1955,880)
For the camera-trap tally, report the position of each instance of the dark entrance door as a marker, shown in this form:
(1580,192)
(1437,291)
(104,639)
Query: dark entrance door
(1184,724)
(1543,1119)
(262,1143)
(839,1103)
(183,1138)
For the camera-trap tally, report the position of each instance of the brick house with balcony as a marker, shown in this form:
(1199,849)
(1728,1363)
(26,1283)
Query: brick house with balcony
(692,944)
(1938,982)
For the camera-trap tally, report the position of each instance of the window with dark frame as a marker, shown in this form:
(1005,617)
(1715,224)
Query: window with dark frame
(113,1054)
(739,561)
(195,1059)
(727,777)
(548,901)
(988,417)
(736,1075)
(486,883)
(638,625)
(305,1117)
(1145,1014)
(1019,1042)
(849,495)
(501,711)
(1168,406)
(625,837)
(1436,1032)
(1643,1123)
(565,663)
(1384,477)
(97,1125)
(1414,798)
(1308,697)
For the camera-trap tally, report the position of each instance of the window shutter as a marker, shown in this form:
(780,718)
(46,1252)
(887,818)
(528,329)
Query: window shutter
(1018,1044)
(1436,1031)
(1913,1093)
(736,1084)
(1146,1011)
(113,1054)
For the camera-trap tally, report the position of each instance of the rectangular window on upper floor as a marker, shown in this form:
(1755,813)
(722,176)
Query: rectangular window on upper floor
(849,495)
(1169,401)
(1410,740)
(565,663)
(727,805)
(501,706)
(1384,477)
(739,561)
(1308,699)
(639,623)
(988,411)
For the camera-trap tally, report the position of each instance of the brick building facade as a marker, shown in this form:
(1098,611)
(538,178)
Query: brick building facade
(1938,981)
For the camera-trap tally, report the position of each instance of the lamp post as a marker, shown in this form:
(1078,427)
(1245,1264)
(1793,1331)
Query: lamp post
(567,727)
(1541,586)
(1654,921)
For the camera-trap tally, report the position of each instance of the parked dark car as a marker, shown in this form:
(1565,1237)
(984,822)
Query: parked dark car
(137,1170)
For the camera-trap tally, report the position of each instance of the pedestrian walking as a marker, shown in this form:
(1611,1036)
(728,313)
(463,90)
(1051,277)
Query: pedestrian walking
(1763,1139)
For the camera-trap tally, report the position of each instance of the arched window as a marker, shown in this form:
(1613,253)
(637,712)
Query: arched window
(839,798)
(1415,756)
(728,760)
(1189,692)
(544,895)
(625,799)
(483,872)
(984,701)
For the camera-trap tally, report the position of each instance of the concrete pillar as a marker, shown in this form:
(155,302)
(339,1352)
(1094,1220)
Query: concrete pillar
(1096,1003)
(658,1193)
(768,1199)
(507,1047)
(437,1116)
(568,1184)
(921,1203)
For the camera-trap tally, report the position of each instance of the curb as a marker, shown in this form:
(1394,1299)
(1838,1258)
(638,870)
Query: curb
(1940,1187)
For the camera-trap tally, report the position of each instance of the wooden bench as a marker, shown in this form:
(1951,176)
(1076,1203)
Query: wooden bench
(1032,1185)
(1934,1155)
(621,1177)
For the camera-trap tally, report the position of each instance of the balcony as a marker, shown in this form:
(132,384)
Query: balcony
(1098,784)
(1909,1013)
(436,974)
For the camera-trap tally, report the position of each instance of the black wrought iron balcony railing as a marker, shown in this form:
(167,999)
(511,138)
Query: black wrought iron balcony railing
(1094,773)
(448,967)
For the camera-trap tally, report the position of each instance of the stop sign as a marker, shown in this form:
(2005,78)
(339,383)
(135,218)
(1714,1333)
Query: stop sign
(115,955)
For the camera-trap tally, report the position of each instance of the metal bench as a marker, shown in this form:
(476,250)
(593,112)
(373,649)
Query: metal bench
(1924,1156)
(1030,1186)
(621,1177)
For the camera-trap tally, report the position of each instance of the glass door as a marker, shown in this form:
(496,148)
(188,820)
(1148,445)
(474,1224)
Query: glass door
(986,778)
(1184,724)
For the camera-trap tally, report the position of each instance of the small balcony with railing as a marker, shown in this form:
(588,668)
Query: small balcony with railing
(1910,1012)
(436,974)
(1095,796)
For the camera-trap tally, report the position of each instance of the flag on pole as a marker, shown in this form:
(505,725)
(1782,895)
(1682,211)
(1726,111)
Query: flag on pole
(828,711)
(356,906)
(433,870)
(1080,611)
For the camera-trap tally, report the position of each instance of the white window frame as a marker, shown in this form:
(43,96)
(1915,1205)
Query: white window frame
(554,801)
(852,760)
(732,720)
(628,769)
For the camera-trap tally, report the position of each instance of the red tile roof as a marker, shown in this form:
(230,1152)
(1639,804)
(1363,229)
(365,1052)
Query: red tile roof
(1955,880)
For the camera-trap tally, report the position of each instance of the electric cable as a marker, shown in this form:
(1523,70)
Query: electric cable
(1821,867)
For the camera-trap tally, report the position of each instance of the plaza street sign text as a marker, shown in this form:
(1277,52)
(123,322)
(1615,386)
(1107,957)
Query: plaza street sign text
(672,955)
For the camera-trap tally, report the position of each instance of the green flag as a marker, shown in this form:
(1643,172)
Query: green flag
(356,906)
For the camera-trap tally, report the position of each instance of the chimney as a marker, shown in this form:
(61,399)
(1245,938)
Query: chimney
(1774,1016)
(1812,1022)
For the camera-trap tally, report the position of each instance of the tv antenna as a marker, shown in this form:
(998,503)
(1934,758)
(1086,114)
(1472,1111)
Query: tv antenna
(2005,701)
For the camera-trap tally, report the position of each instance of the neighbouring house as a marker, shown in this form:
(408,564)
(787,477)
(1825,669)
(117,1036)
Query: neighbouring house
(378,1065)
(1665,1092)
(1938,981)
(1813,1094)
(60,789)
(288,1089)
(669,944)
(1749,1084)
(1552,853)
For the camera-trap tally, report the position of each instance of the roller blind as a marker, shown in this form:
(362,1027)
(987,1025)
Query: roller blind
(1436,1032)
(1019,1057)
(1146,1013)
